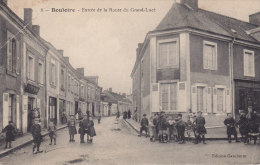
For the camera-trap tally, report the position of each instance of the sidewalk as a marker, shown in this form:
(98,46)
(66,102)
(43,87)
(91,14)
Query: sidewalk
(213,133)
(23,140)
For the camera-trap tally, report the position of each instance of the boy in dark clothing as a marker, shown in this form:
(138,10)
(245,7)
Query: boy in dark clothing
(9,132)
(200,130)
(144,125)
(243,127)
(231,129)
(162,127)
(36,133)
(180,125)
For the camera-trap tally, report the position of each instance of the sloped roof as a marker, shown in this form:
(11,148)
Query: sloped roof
(114,97)
(181,16)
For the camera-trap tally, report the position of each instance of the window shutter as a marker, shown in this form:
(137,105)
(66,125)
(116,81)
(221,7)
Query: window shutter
(228,100)
(18,58)
(205,100)
(194,98)
(9,54)
(205,57)
(209,100)
(215,103)
(245,64)
(17,112)
(24,113)
(5,109)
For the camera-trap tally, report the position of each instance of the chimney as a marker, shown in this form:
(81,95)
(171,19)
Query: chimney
(124,95)
(61,52)
(191,3)
(36,29)
(110,89)
(4,1)
(67,59)
(81,71)
(255,18)
(28,17)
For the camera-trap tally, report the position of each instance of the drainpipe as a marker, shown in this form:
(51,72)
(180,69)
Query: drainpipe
(46,93)
(232,84)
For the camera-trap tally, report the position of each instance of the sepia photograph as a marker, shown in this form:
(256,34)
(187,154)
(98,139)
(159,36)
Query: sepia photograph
(129,82)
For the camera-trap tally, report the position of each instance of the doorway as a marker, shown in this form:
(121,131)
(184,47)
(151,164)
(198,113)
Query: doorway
(30,113)
(93,110)
(53,109)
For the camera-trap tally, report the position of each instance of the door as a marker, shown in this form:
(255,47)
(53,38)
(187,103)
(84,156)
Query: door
(200,103)
(30,113)
(53,109)
(93,109)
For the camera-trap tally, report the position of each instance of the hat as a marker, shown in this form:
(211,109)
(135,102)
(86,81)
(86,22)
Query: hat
(144,114)
(180,114)
(199,112)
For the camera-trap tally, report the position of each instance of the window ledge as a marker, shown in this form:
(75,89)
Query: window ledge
(53,86)
(11,73)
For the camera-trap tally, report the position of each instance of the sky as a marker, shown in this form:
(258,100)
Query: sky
(105,43)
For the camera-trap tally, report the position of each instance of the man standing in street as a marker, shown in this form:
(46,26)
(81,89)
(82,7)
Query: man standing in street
(200,128)
(144,125)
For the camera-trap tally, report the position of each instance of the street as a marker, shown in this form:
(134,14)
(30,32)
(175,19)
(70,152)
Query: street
(125,147)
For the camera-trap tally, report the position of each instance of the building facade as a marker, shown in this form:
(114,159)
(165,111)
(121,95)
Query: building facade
(36,79)
(196,60)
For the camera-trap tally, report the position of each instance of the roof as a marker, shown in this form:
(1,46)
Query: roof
(114,97)
(180,16)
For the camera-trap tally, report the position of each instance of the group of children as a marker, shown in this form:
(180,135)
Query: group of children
(168,128)
(247,124)
(86,126)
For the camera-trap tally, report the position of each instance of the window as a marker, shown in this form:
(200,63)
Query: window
(53,73)
(62,80)
(69,83)
(168,52)
(220,100)
(200,99)
(82,91)
(11,53)
(40,73)
(209,55)
(168,96)
(249,63)
(30,68)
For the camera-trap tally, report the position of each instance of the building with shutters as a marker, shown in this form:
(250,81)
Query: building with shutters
(200,61)
(11,53)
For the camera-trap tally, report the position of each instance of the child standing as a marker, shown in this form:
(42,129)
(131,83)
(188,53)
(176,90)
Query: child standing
(243,127)
(91,129)
(200,130)
(180,125)
(36,133)
(9,132)
(72,128)
(52,132)
(144,125)
(231,129)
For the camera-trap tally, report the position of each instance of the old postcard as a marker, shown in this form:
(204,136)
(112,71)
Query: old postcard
(129,82)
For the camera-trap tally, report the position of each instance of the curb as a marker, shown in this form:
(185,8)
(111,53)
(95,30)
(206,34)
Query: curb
(192,138)
(8,151)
